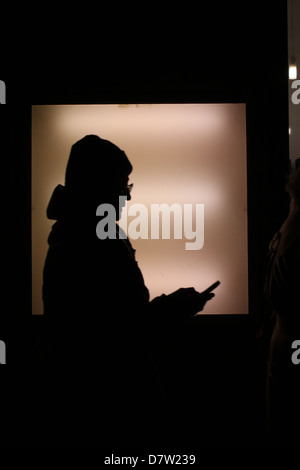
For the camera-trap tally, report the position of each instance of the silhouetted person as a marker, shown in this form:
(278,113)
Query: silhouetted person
(282,291)
(100,322)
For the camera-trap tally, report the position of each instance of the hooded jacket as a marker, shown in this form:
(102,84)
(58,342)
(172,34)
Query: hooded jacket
(93,290)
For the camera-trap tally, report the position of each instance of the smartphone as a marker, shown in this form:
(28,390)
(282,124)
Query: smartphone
(211,288)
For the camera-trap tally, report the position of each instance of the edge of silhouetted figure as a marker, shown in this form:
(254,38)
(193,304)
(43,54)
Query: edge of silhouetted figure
(282,293)
(100,323)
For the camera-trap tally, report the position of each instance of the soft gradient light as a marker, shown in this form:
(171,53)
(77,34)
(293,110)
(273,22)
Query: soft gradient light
(181,153)
(293,72)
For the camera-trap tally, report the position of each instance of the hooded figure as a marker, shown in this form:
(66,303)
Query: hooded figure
(96,304)
(282,293)
(87,280)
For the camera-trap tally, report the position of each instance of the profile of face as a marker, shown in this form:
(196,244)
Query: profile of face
(121,194)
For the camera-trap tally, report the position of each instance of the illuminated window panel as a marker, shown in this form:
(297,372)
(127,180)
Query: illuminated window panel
(190,155)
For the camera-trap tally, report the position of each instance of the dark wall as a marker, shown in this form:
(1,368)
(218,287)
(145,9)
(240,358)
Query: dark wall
(219,53)
(210,54)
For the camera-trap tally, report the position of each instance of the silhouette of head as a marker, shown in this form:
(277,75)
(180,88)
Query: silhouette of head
(97,169)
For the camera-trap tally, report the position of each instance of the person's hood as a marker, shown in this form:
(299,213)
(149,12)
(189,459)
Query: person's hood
(57,209)
(57,204)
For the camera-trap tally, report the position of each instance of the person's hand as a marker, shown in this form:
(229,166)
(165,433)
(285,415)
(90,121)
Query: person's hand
(186,302)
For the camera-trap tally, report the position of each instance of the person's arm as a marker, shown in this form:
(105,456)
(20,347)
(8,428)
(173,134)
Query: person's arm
(183,303)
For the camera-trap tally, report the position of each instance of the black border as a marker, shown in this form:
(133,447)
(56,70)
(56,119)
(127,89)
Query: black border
(244,59)
(210,53)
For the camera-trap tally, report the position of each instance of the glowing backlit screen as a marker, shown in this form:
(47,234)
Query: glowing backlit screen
(187,218)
